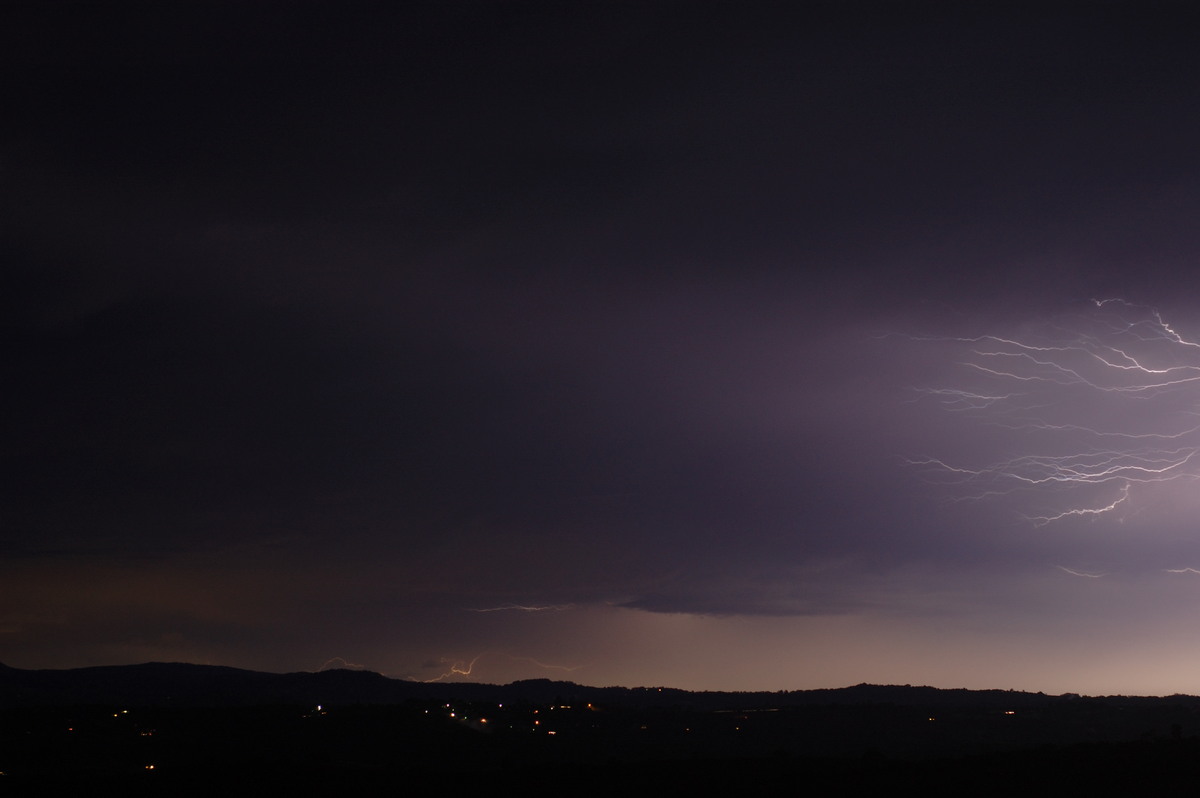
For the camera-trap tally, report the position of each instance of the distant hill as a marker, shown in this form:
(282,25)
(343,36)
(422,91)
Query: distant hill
(184,685)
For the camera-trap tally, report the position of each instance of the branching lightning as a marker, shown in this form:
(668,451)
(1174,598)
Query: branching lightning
(1083,412)
(1042,520)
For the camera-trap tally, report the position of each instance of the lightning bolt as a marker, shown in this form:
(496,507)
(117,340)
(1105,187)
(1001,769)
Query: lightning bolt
(1042,520)
(456,668)
(1119,366)
(1078,573)
(465,668)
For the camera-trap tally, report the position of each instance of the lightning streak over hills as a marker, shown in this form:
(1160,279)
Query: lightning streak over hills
(1075,416)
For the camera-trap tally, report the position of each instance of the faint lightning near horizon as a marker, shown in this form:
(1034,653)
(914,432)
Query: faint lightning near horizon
(464,668)
(1072,417)
(456,668)
(345,664)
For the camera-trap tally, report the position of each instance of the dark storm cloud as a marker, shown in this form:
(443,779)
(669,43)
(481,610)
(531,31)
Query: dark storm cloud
(424,309)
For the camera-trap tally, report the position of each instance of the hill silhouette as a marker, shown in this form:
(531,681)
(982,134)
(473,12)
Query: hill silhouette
(185,685)
(201,728)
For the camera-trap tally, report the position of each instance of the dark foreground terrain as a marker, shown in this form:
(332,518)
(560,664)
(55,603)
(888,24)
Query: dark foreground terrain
(169,729)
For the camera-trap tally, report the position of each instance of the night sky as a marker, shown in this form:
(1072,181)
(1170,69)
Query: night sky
(710,345)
